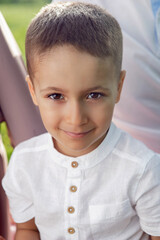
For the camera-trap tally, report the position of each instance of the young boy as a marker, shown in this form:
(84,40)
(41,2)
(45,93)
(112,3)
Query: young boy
(84,179)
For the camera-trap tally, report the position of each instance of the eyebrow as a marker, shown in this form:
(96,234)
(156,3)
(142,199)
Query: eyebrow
(97,88)
(52,89)
(62,90)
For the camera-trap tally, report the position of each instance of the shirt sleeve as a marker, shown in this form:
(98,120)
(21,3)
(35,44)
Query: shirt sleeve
(148,197)
(18,188)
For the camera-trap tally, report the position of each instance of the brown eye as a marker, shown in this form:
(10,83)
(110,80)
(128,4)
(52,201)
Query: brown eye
(94,95)
(56,96)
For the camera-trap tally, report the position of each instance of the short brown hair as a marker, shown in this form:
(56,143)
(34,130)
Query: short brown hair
(87,27)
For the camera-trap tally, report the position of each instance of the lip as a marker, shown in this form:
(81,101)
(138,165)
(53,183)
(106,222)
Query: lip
(77,135)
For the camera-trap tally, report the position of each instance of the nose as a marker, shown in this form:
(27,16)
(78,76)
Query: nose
(76,113)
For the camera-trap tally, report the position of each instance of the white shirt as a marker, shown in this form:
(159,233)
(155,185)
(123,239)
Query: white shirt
(112,192)
(138,111)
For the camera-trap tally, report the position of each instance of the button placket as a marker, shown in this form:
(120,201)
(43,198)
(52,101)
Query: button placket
(71,200)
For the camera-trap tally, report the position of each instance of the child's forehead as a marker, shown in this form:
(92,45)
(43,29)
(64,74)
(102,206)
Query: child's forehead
(66,54)
(70,51)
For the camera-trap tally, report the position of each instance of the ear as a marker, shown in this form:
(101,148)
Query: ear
(120,84)
(31,89)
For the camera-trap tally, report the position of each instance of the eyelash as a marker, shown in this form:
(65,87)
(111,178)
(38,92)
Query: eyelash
(58,96)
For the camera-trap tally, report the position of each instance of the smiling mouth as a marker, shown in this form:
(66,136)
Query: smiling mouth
(77,135)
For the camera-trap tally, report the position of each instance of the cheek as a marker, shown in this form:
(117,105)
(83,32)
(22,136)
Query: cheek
(48,108)
(107,108)
(103,114)
(105,119)
(49,116)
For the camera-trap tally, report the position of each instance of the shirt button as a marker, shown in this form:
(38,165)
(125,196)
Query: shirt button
(71,230)
(73,189)
(74,164)
(71,210)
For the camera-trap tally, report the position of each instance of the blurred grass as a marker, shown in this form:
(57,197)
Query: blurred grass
(17,16)
(6,140)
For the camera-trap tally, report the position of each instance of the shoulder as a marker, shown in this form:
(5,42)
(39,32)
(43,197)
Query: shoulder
(31,152)
(29,156)
(133,151)
(137,165)
(35,144)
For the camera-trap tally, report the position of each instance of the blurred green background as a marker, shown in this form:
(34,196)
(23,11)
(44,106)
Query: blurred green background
(18,14)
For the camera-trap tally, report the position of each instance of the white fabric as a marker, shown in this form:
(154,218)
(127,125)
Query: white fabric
(139,109)
(118,189)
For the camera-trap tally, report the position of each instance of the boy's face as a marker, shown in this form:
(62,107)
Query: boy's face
(76,93)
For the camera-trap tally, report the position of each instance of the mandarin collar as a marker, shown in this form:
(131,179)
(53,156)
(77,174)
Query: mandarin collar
(90,159)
